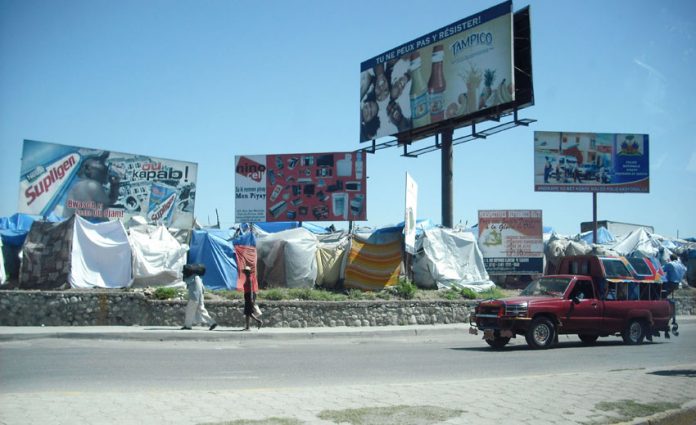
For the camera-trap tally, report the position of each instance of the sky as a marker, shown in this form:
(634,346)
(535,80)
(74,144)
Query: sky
(206,80)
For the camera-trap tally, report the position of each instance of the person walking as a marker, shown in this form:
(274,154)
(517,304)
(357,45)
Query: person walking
(250,301)
(195,308)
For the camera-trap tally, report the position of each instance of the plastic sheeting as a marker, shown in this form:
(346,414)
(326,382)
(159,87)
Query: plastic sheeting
(46,255)
(101,255)
(3,276)
(158,257)
(375,262)
(214,249)
(287,259)
(331,259)
(446,258)
(638,240)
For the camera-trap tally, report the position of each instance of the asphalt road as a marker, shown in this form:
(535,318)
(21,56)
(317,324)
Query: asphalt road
(125,366)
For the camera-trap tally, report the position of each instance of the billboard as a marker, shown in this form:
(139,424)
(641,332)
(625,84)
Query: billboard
(410,215)
(302,187)
(459,71)
(591,162)
(103,185)
(511,241)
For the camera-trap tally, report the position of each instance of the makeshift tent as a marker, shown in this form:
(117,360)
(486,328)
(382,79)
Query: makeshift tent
(279,226)
(637,240)
(46,255)
(158,257)
(101,255)
(446,258)
(214,249)
(287,259)
(3,277)
(374,260)
(13,231)
(604,236)
(331,259)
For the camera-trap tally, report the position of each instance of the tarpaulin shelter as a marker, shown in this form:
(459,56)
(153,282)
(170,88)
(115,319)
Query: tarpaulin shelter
(13,231)
(374,260)
(287,259)
(331,259)
(604,236)
(83,254)
(447,258)
(279,226)
(101,255)
(245,250)
(158,257)
(214,248)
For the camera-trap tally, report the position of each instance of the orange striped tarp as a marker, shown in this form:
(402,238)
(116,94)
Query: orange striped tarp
(372,267)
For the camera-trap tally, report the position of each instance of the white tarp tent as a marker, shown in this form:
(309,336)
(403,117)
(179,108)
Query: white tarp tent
(3,277)
(100,256)
(287,259)
(447,258)
(158,257)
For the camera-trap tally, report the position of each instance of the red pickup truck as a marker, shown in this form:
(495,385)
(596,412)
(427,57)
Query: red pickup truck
(591,296)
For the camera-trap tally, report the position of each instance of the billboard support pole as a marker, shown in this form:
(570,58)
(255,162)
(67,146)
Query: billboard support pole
(446,166)
(594,217)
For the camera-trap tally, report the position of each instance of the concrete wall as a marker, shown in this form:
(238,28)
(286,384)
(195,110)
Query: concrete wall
(106,308)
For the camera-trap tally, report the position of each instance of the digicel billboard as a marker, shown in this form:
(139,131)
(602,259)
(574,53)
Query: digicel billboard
(302,187)
(457,71)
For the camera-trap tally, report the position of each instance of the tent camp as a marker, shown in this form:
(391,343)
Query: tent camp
(215,249)
(84,254)
(447,258)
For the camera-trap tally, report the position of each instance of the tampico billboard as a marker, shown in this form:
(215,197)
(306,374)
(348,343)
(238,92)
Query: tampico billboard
(104,185)
(511,241)
(591,162)
(455,71)
(302,187)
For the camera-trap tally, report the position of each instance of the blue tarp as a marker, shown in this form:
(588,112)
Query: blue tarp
(421,224)
(14,229)
(603,236)
(215,249)
(279,226)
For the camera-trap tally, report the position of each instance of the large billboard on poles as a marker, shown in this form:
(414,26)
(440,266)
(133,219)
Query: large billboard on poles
(105,185)
(301,187)
(511,241)
(591,162)
(456,72)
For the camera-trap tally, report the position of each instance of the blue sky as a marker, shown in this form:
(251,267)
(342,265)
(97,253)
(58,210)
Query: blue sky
(204,81)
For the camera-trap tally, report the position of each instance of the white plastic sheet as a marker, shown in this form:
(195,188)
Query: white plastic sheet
(289,258)
(446,258)
(158,257)
(101,255)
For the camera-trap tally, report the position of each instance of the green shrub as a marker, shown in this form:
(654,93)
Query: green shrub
(469,293)
(166,293)
(406,289)
(273,294)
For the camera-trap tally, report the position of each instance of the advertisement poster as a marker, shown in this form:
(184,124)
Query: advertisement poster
(454,71)
(301,187)
(511,241)
(411,214)
(591,162)
(103,185)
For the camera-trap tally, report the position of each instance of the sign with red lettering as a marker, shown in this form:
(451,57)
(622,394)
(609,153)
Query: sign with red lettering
(103,185)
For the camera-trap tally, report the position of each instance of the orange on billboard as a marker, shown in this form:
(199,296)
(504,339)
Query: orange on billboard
(451,73)
(301,187)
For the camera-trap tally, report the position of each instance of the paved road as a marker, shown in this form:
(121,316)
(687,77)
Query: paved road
(221,376)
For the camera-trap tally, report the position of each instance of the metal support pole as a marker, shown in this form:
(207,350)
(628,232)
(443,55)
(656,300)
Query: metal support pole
(447,173)
(594,217)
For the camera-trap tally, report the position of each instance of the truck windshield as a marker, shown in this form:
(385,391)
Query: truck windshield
(550,287)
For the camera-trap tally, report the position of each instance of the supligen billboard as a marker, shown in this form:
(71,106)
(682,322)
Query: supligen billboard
(103,185)
(453,72)
(301,187)
(591,162)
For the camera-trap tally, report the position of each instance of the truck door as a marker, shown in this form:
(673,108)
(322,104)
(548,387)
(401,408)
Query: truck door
(586,314)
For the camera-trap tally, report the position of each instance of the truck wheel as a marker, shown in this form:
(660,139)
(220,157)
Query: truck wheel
(498,343)
(634,332)
(541,333)
(588,339)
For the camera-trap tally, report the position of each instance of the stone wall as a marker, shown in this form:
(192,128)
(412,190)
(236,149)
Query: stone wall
(107,308)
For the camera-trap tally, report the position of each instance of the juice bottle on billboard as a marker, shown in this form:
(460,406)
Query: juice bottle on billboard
(436,86)
(419,94)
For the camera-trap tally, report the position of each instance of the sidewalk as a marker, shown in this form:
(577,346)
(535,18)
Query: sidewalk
(572,398)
